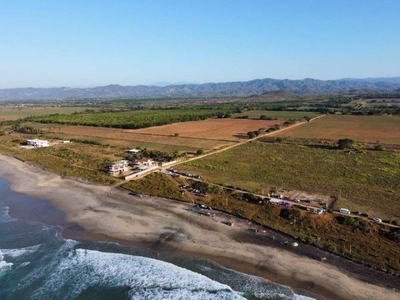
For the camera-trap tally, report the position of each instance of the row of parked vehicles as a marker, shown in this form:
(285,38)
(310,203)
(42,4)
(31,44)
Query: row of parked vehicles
(176,172)
(359,213)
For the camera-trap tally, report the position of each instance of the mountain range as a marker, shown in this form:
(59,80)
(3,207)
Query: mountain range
(226,89)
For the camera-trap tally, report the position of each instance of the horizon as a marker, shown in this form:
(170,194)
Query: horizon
(91,43)
(165,84)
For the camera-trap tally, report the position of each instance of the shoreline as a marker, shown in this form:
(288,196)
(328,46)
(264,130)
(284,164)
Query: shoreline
(101,213)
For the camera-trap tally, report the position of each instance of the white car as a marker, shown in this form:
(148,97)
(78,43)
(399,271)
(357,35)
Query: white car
(377,220)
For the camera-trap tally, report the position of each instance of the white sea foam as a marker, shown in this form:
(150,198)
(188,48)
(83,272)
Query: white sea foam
(146,278)
(301,297)
(43,271)
(256,286)
(4,266)
(4,216)
(19,252)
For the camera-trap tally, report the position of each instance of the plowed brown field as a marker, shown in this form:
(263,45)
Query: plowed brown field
(216,129)
(208,134)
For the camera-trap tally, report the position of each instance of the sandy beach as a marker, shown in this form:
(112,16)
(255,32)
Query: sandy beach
(103,213)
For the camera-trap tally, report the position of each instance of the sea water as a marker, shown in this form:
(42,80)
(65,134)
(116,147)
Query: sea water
(36,262)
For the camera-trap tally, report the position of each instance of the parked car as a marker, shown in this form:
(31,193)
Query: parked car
(377,220)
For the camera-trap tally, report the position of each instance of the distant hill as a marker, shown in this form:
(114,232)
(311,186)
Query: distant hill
(227,89)
(276,95)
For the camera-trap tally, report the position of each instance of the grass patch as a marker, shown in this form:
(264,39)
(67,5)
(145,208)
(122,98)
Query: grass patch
(157,184)
(366,179)
(83,161)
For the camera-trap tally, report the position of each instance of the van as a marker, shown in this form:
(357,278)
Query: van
(344,211)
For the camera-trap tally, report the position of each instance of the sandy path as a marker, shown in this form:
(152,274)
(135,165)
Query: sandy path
(163,223)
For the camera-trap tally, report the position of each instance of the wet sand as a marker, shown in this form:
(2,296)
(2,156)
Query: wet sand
(94,212)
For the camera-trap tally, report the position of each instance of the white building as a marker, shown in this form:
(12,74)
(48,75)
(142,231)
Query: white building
(146,164)
(119,167)
(38,143)
(134,150)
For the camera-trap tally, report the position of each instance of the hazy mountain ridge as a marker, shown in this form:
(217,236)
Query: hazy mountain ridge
(225,89)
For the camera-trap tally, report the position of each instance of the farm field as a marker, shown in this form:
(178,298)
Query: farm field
(280,115)
(15,113)
(129,138)
(362,181)
(214,129)
(385,129)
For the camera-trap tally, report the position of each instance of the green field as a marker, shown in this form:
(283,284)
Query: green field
(14,113)
(385,129)
(364,181)
(280,115)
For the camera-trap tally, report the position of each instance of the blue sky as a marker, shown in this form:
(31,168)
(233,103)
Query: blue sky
(82,43)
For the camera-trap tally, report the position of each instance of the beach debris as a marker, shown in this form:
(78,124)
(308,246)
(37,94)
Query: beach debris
(294,244)
(229,223)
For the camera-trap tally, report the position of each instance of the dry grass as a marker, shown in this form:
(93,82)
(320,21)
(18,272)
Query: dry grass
(385,129)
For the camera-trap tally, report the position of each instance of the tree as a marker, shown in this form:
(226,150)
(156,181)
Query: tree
(345,144)
(379,147)
(263,117)
(307,118)
(251,134)
(290,214)
(176,134)
(199,152)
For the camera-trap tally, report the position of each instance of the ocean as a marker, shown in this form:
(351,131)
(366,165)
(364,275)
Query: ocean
(37,262)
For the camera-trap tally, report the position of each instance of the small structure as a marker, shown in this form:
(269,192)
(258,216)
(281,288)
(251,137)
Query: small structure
(119,167)
(37,143)
(134,151)
(146,164)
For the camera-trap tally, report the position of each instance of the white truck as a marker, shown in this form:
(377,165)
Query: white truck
(344,211)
